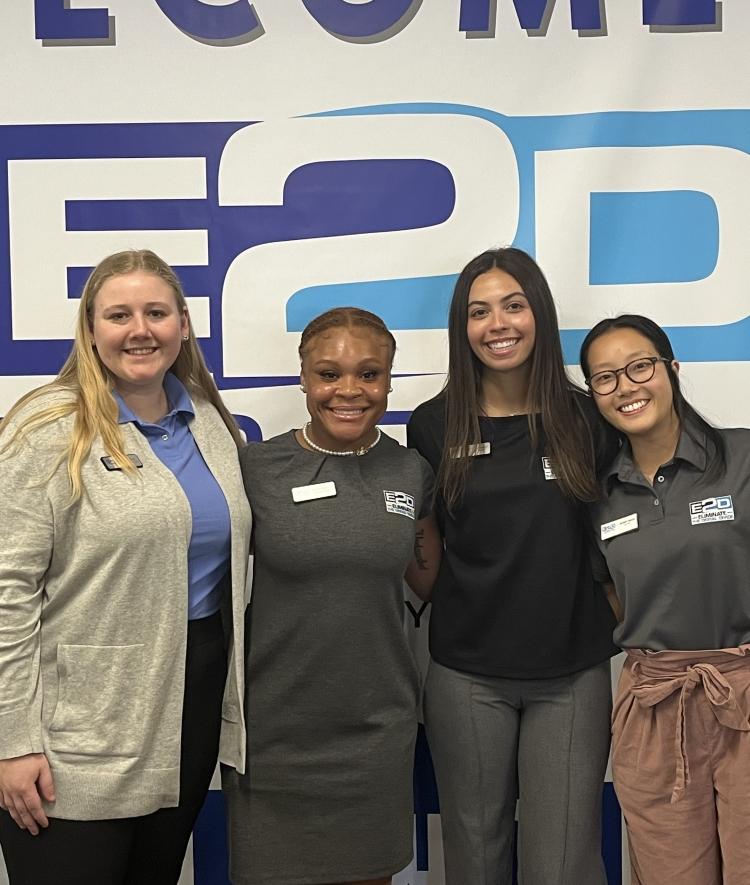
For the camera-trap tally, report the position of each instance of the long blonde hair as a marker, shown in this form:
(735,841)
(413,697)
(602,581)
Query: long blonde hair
(90,384)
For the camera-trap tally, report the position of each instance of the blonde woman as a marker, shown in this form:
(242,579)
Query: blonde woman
(125,547)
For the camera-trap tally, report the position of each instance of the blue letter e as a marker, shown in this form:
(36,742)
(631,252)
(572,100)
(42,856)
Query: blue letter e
(53,21)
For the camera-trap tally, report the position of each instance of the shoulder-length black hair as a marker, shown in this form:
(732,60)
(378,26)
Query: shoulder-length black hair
(694,424)
(551,395)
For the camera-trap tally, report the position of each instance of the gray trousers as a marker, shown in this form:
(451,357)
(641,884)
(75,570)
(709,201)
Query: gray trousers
(544,742)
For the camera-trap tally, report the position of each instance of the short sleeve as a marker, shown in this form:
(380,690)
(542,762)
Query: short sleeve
(249,463)
(599,568)
(425,434)
(428,488)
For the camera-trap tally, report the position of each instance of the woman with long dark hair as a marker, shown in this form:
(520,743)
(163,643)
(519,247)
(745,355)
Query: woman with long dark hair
(675,531)
(518,692)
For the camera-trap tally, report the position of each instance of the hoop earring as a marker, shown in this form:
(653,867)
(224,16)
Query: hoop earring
(186,338)
(303,389)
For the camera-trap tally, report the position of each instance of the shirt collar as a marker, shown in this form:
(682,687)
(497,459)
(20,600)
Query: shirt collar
(177,397)
(691,448)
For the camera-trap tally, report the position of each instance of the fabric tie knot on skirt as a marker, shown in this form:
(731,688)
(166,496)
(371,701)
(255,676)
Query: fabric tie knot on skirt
(656,679)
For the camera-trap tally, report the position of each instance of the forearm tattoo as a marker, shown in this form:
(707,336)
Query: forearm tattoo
(418,552)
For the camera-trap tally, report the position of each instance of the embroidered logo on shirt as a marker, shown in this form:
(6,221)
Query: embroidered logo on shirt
(549,472)
(399,502)
(718,509)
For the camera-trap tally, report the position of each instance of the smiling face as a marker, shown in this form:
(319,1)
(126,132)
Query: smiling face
(137,329)
(346,372)
(500,323)
(645,409)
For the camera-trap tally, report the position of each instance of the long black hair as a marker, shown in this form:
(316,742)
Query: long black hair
(695,425)
(551,394)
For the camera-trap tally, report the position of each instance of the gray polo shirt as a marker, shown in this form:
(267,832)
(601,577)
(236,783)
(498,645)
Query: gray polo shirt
(678,552)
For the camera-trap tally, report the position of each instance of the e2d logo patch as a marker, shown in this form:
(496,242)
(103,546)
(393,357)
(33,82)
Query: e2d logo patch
(399,502)
(718,509)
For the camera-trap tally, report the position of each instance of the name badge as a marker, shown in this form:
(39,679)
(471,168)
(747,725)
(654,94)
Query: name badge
(313,492)
(109,462)
(549,471)
(620,526)
(473,450)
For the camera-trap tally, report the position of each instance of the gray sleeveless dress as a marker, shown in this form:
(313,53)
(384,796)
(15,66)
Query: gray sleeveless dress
(332,688)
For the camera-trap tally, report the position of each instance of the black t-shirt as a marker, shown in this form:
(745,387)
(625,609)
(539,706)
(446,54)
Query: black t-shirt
(515,596)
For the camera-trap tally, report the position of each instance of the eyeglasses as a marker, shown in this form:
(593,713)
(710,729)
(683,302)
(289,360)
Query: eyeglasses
(638,371)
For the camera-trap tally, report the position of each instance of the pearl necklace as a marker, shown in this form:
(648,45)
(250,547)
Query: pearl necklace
(362,450)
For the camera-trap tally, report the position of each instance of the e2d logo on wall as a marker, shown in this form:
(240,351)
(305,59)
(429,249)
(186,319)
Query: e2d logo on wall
(268,224)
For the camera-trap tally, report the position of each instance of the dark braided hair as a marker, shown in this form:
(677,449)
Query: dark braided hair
(347,318)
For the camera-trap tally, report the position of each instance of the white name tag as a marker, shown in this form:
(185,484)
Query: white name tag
(473,450)
(719,509)
(314,491)
(620,526)
(549,472)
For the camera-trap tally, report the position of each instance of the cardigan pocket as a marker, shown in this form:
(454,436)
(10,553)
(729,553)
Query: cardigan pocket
(99,701)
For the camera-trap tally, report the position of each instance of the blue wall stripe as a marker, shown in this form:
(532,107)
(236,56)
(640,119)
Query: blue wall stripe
(652,237)
(417,303)
(691,344)
(210,850)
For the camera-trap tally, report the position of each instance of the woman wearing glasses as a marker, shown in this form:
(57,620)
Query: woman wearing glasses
(674,526)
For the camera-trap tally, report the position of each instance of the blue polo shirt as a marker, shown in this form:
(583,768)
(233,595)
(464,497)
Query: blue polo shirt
(173,443)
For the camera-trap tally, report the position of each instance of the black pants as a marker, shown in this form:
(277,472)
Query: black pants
(146,850)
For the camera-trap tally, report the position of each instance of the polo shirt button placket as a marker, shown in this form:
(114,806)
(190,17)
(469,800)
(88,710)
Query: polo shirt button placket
(658,512)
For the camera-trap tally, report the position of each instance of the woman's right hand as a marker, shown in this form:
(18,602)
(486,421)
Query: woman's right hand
(24,782)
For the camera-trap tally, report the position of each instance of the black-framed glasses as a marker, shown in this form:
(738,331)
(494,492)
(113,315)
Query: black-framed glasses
(638,371)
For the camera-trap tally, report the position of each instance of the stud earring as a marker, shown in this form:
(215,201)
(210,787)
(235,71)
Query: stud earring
(186,338)
(303,389)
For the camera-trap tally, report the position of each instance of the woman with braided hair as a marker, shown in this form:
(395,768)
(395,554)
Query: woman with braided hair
(341,512)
